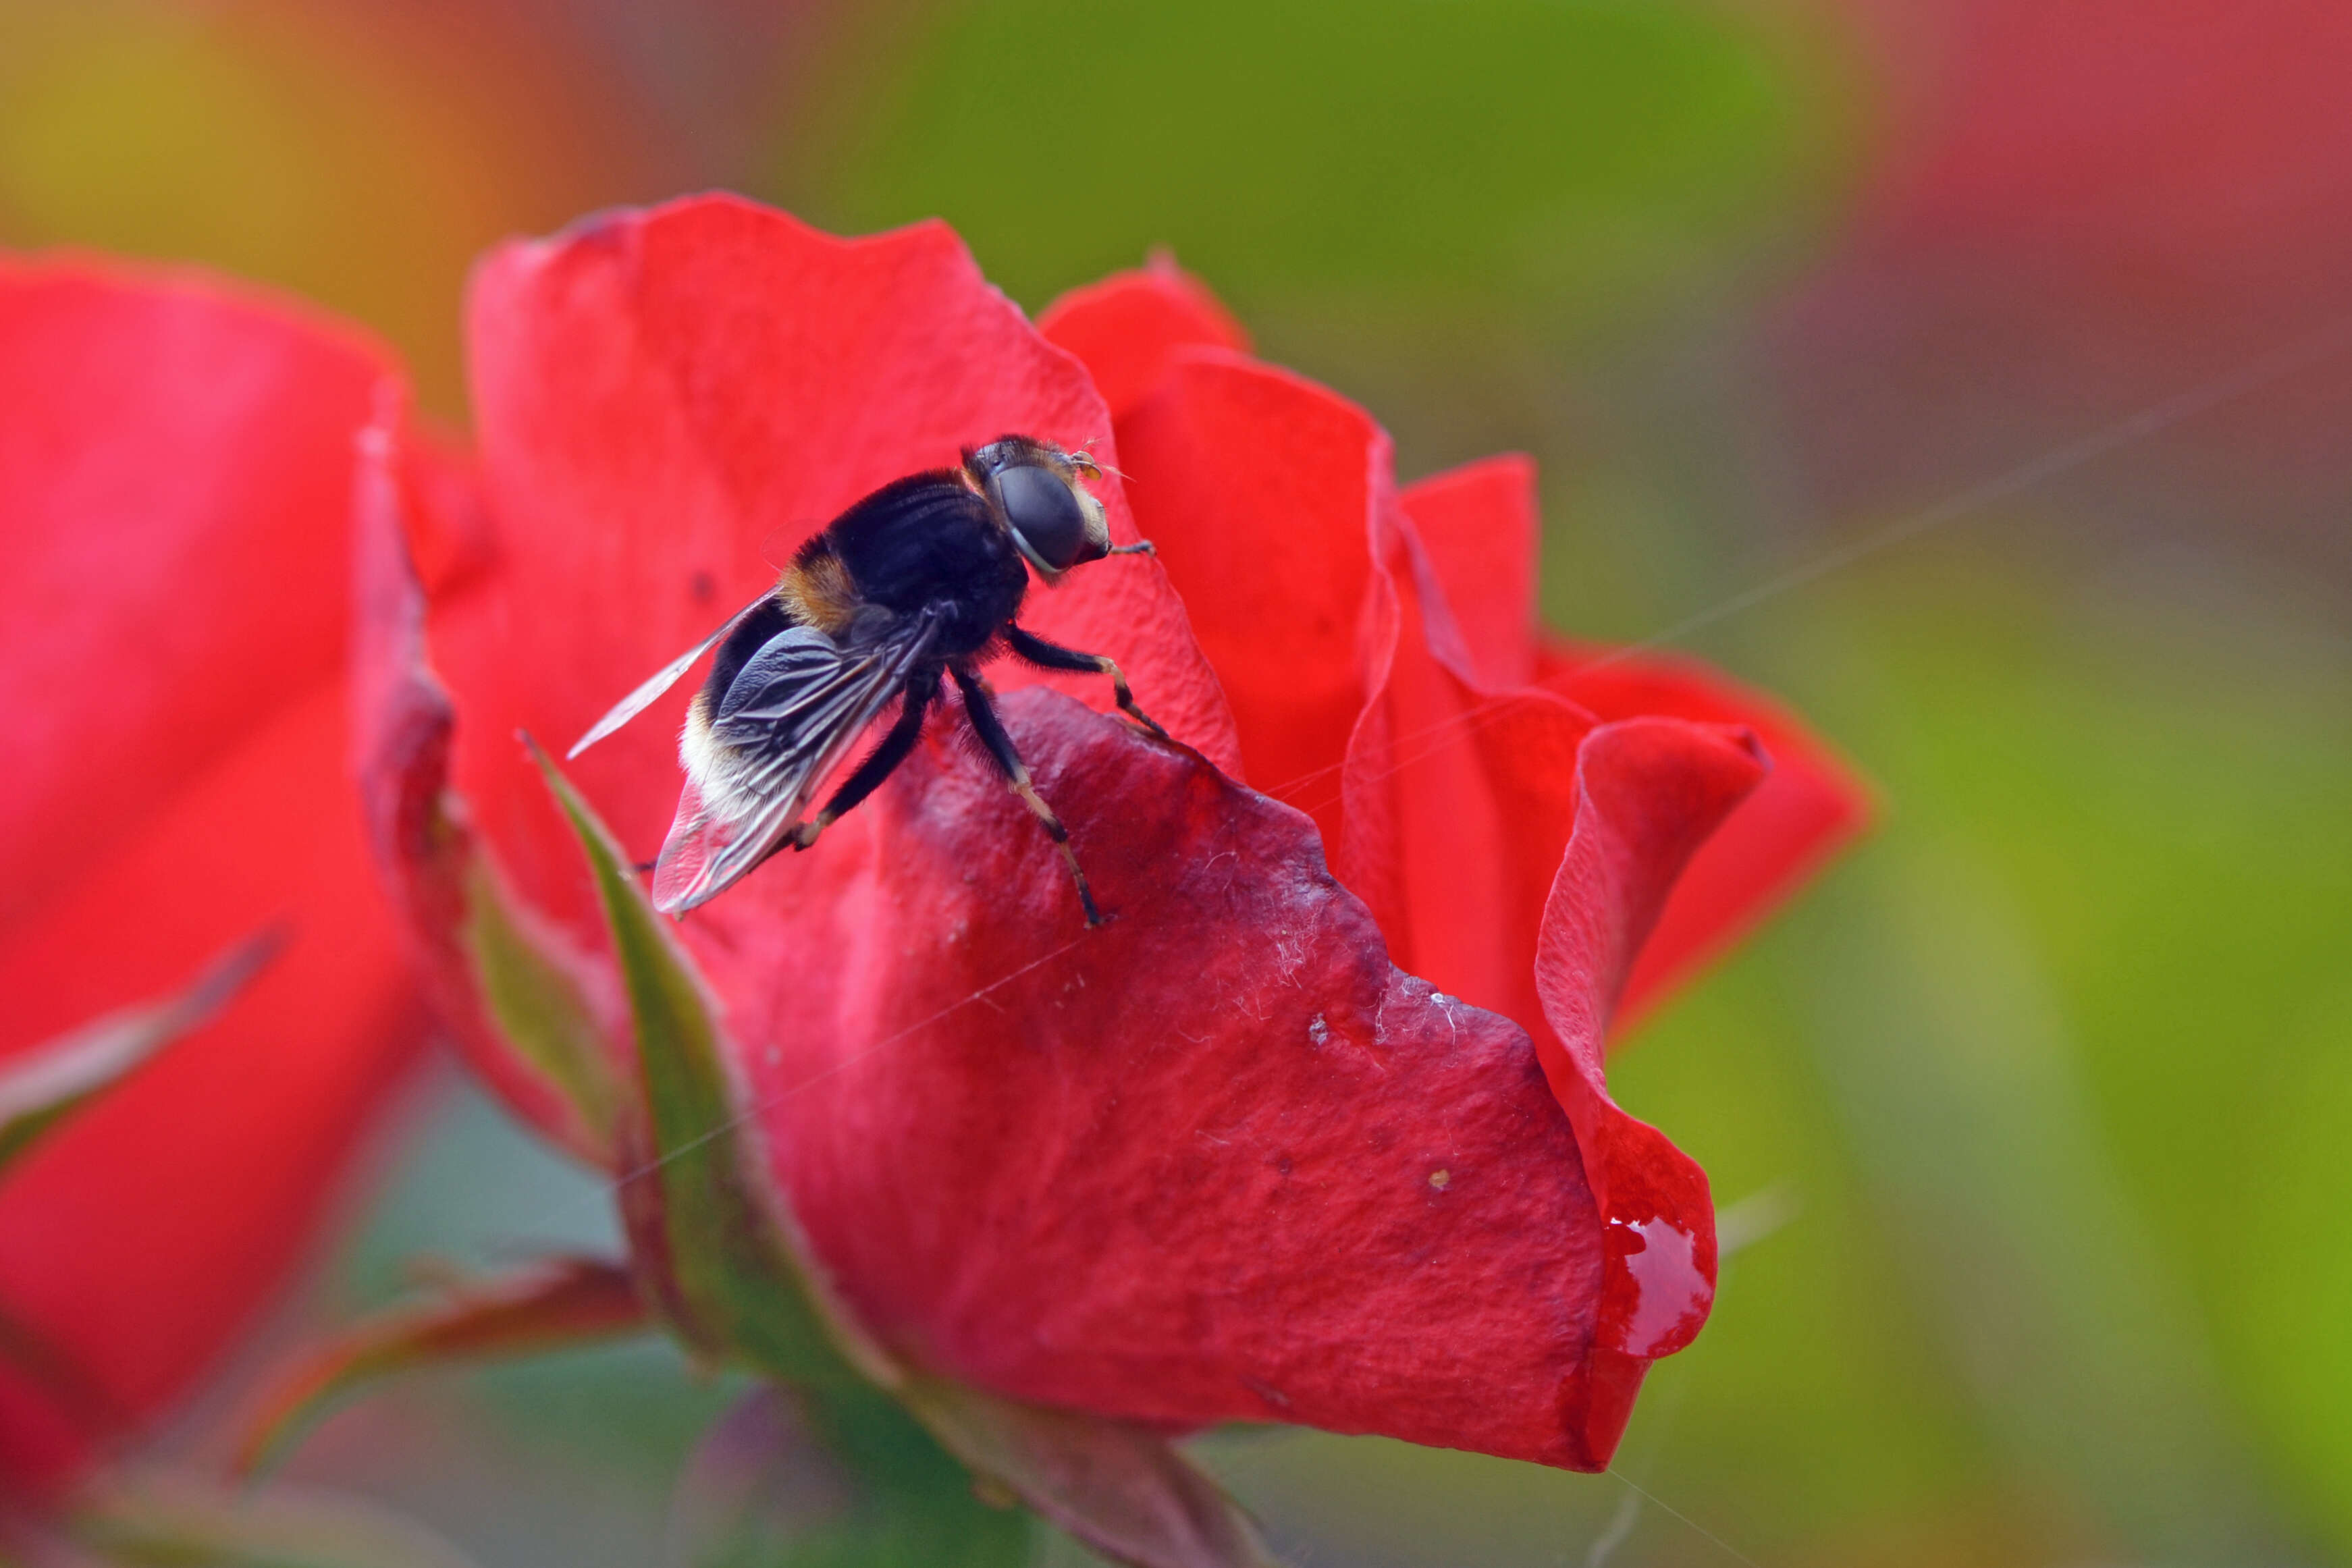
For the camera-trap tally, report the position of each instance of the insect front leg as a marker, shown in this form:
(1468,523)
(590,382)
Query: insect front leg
(922,687)
(1025,644)
(992,733)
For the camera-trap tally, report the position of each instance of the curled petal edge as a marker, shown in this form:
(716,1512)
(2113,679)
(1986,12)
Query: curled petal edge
(1649,792)
(531,1012)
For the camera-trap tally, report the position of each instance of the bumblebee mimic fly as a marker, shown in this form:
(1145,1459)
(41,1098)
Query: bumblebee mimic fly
(916,585)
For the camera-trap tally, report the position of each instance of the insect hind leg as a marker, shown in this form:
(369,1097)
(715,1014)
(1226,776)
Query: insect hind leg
(1027,645)
(999,744)
(893,750)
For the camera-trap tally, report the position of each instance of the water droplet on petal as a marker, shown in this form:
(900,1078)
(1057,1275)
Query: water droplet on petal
(1659,1297)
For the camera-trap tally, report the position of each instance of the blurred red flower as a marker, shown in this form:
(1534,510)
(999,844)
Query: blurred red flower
(177,463)
(2079,208)
(1219,1160)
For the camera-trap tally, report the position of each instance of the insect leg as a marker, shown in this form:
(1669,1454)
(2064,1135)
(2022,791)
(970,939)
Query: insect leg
(922,687)
(1047,655)
(990,730)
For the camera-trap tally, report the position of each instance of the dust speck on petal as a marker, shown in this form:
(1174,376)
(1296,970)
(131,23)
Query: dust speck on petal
(1441,1180)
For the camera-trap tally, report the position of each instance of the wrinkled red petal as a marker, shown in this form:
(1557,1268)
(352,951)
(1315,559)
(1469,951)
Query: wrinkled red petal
(1810,807)
(1215,1160)
(660,391)
(1445,808)
(1128,328)
(176,469)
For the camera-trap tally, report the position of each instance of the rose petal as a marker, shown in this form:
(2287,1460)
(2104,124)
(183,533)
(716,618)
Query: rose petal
(137,1273)
(661,392)
(175,468)
(1649,792)
(536,1016)
(1256,485)
(1126,329)
(1810,807)
(1459,804)
(1477,529)
(728,1262)
(1477,525)
(1215,1160)
(1459,801)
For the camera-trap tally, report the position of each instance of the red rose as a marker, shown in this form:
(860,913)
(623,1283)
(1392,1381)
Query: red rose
(1217,1159)
(176,465)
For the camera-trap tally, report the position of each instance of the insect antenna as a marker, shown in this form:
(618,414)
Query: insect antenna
(1087,452)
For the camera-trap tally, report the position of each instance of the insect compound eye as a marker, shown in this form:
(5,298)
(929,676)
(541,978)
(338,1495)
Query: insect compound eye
(1044,513)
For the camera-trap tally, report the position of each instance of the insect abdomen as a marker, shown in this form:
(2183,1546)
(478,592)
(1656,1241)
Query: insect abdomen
(751,634)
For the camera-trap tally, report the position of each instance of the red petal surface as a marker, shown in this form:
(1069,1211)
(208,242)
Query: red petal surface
(1215,1160)
(175,470)
(1126,329)
(658,393)
(1459,799)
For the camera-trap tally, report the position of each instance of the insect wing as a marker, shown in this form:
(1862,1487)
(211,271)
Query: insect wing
(787,721)
(638,701)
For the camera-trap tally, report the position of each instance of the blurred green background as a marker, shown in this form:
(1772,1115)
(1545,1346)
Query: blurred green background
(2039,1105)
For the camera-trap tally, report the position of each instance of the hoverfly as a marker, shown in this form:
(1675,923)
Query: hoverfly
(917,584)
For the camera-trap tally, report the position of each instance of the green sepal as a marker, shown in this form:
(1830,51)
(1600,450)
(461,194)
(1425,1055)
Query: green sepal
(841,1479)
(45,1084)
(1124,1490)
(729,1262)
(539,1009)
(550,1304)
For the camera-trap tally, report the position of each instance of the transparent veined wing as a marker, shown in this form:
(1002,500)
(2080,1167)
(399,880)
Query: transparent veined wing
(788,719)
(636,703)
